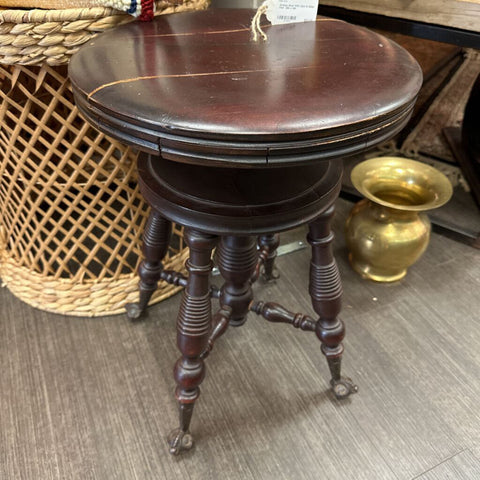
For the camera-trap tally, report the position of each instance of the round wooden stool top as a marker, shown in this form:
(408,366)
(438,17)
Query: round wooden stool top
(195,88)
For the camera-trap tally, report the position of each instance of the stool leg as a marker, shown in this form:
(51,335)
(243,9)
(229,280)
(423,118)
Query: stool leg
(326,292)
(194,325)
(270,243)
(237,258)
(156,239)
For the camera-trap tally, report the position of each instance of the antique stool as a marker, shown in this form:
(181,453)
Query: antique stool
(242,139)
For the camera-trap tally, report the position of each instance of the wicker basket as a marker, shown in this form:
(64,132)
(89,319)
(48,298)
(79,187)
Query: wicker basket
(35,37)
(71,213)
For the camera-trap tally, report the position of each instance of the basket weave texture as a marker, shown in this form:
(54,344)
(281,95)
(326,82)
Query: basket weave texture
(64,4)
(71,215)
(35,37)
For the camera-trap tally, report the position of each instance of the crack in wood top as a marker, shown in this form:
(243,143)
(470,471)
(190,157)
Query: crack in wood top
(192,75)
(233,30)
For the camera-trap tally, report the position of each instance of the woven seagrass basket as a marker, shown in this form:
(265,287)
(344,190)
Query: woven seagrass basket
(71,215)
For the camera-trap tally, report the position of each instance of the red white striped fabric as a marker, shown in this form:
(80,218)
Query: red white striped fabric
(144,9)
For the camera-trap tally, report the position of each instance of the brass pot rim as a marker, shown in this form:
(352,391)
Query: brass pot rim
(407,171)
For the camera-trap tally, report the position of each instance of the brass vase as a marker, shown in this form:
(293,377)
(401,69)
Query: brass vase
(387,232)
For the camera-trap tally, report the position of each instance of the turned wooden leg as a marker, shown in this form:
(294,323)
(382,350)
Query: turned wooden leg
(156,239)
(326,292)
(194,325)
(237,258)
(269,244)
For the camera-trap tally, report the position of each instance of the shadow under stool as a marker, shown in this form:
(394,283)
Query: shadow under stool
(242,140)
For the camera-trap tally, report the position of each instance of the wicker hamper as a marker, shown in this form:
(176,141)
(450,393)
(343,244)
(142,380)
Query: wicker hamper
(71,215)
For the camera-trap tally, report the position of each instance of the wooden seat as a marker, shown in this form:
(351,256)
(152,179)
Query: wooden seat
(228,201)
(242,139)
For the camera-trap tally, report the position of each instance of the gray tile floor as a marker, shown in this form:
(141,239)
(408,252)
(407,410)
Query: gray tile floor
(93,398)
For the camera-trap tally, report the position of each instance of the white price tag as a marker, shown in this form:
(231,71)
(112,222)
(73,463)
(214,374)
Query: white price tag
(291,11)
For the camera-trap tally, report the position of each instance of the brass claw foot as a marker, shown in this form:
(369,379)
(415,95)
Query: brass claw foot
(134,312)
(343,388)
(179,441)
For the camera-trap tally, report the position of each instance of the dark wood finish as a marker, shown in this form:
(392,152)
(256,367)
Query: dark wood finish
(193,332)
(220,323)
(228,201)
(156,239)
(238,201)
(268,252)
(175,278)
(195,88)
(326,293)
(237,258)
(240,140)
(180,280)
(273,312)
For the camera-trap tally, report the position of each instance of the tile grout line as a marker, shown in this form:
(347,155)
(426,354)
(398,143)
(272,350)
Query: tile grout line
(440,463)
